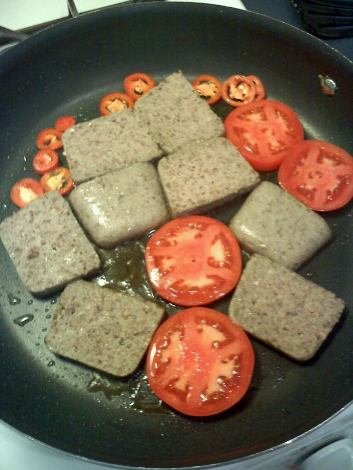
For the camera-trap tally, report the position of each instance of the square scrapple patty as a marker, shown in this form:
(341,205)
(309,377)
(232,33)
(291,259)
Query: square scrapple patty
(204,175)
(47,245)
(107,143)
(102,328)
(176,114)
(273,223)
(120,205)
(281,308)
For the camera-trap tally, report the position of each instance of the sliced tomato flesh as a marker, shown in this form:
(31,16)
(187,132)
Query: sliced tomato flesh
(208,87)
(319,174)
(114,103)
(45,160)
(49,138)
(200,362)
(57,180)
(263,131)
(138,84)
(25,191)
(193,260)
(238,90)
(65,122)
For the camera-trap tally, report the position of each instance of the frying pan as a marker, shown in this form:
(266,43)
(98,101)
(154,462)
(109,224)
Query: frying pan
(65,70)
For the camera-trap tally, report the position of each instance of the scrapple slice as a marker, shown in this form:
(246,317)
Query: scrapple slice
(284,310)
(107,143)
(176,114)
(102,328)
(47,245)
(204,175)
(120,205)
(273,223)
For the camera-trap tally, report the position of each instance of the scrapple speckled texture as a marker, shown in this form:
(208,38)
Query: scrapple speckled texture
(107,143)
(284,310)
(120,205)
(203,175)
(103,328)
(47,245)
(273,223)
(176,114)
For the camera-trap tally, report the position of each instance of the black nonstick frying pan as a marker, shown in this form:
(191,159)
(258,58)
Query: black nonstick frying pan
(65,70)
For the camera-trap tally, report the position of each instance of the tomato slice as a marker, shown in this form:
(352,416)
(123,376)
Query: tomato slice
(260,92)
(208,87)
(58,179)
(193,260)
(114,103)
(25,191)
(238,90)
(138,84)
(49,139)
(319,174)
(199,362)
(45,160)
(263,131)
(65,122)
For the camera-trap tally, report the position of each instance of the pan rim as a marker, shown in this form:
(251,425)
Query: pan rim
(256,456)
(176,5)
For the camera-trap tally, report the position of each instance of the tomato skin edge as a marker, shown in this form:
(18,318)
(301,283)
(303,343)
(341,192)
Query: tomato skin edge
(246,371)
(257,162)
(203,297)
(288,164)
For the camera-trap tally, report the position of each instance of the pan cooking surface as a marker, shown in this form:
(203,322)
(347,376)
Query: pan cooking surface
(65,70)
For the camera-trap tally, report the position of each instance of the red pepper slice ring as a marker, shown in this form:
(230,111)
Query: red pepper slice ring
(238,90)
(45,160)
(25,191)
(138,84)
(260,92)
(114,103)
(58,179)
(49,139)
(64,122)
(208,87)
